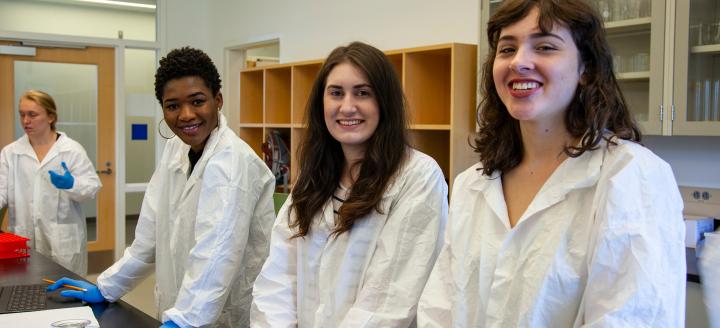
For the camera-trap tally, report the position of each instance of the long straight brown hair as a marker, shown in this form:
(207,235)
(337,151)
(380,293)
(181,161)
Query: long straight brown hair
(321,157)
(598,110)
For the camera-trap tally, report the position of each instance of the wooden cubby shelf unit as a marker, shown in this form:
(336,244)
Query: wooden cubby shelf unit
(277,95)
(434,143)
(439,82)
(251,96)
(427,85)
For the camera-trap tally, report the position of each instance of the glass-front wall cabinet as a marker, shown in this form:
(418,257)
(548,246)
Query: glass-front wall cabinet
(667,62)
(697,73)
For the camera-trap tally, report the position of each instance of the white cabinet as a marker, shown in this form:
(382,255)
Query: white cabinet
(668,68)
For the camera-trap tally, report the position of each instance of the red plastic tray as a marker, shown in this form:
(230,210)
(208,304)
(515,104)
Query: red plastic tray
(13,246)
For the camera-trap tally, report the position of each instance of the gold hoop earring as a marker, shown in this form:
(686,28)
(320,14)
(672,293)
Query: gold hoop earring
(160,130)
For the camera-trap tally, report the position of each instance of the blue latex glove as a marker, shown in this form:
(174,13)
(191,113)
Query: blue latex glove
(64,181)
(169,324)
(91,295)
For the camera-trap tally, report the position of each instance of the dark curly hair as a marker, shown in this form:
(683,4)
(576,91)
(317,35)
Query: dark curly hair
(598,110)
(321,156)
(184,62)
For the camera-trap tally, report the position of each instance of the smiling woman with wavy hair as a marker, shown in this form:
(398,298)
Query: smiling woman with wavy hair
(566,221)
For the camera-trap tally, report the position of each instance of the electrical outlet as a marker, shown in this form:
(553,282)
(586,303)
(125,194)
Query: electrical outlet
(700,195)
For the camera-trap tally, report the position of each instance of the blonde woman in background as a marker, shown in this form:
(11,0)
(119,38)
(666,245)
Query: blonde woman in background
(44,176)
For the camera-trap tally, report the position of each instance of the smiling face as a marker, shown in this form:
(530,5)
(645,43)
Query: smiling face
(351,109)
(535,73)
(190,110)
(34,119)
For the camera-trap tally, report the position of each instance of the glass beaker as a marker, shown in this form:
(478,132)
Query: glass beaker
(695,36)
(645,8)
(640,62)
(633,9)
(715,115)
(618,63)
(619,10)
(710,33)
(603,7)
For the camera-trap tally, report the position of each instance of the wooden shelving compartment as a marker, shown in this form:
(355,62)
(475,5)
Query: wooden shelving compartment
(434,143)
(285,135)
(303,77)
(438,81)
(396,59)
(251,96)
(277,95)
(253,137)
(427,86)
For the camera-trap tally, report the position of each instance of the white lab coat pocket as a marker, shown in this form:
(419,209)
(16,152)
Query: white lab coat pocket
(66,244)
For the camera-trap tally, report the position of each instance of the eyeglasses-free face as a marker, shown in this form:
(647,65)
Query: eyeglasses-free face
(535,73)
(190,110)
(34,118)
(351,109)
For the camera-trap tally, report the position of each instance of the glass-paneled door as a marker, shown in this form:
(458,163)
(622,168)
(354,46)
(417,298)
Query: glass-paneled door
(697,64)
(82,82)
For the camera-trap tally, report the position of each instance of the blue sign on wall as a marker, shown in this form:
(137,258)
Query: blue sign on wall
(139,132)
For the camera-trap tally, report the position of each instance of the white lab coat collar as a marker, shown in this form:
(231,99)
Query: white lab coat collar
(181,162)
(26,149)
(393,189)
(573,173)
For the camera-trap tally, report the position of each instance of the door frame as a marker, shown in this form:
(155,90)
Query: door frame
(121,187)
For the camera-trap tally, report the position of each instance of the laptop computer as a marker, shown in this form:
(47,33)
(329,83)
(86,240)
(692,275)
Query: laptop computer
(24,298)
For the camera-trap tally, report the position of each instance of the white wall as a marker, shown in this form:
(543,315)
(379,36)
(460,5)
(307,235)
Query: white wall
(694,160)
(311,29)
(186,23)
(58,18)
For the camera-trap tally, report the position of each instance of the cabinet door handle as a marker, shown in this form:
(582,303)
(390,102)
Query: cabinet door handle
(672,112)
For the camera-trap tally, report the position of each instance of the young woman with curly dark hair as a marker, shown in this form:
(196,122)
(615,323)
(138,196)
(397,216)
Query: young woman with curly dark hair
(355,241)
(567,220)
(207,211)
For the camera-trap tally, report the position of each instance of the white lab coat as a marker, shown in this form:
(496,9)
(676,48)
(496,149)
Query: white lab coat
(709,275)
(52,218)
(372,275)
(600,245)
(207,233)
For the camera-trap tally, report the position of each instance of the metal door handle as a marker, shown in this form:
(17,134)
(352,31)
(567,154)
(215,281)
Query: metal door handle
(107,171)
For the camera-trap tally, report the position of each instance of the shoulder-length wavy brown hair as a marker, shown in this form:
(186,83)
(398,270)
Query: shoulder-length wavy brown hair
(321,157)
(598,110)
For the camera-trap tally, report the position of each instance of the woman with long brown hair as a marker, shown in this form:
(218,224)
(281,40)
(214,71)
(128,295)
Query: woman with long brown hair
(355,241)
(567,220)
